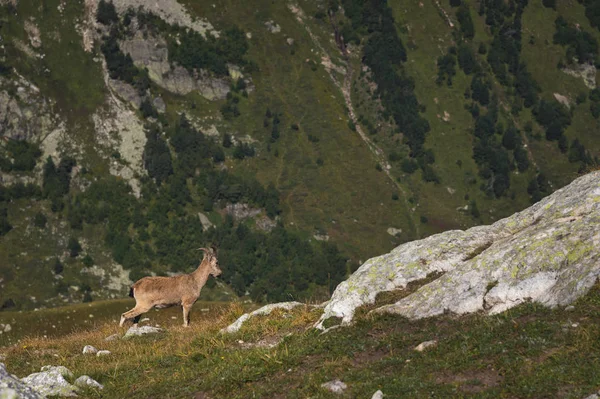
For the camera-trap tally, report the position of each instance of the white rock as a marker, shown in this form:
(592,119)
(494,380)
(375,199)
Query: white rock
(51,382)
(7,328)
(112,337)
(86,381)
(335,386)
(137,331)
(62,370)
(546,254)
(103,353)
(89,349)
(377,395)
(11,387)
(426,345)
(393,231)
(265,310)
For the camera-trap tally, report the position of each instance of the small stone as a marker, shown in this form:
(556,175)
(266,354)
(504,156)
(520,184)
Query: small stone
(570,308)
(335,386)
(160,105)
(86,381)
(377,395)
(112,337)
(103,353)
(89,349)
(138,331)
(290,41)
(426,345)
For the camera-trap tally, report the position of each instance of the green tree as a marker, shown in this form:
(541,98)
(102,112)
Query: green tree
(74,247)
(40,220)
(466,22)
(106,14)
(5,226)
(466,59)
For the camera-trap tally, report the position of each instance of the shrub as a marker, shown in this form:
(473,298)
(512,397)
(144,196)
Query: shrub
(74,247)
(39,220)
(106,14)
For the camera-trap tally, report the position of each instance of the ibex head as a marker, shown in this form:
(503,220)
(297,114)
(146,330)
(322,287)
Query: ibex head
(210,256)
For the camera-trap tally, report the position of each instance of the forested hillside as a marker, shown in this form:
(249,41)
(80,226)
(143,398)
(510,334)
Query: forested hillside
(300,137)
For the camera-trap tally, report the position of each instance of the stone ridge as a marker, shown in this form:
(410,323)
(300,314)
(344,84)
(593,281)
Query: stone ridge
(549,253)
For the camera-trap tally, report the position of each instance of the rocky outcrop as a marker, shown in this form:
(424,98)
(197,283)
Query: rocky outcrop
(171,11)
(548,253)
(151,52)
(126,91)
(24,113)
(11,387)
(240,211)
(587,72)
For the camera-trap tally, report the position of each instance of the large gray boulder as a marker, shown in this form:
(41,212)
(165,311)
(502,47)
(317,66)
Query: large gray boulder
(549,253)
(12,388)
(51,381)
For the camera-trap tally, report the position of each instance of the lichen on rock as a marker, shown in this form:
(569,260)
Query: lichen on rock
(12,387)
(549,253)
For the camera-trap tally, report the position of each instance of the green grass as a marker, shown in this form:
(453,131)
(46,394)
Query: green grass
(346,196)
(529,351)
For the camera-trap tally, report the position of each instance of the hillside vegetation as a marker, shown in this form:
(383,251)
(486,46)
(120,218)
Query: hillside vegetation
(528,351)
(310,135)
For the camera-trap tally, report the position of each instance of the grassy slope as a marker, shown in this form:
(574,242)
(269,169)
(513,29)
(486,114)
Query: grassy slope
(542,58)
(346,197)
(529,351)
(452,141)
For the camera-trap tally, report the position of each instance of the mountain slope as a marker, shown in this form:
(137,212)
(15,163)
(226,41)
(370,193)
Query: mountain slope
(357,124)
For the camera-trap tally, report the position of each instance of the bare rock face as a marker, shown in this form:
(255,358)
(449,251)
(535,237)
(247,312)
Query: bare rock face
(549,253)
(24,113)
(11,387)
(151,52)
(126,91)
(587,72)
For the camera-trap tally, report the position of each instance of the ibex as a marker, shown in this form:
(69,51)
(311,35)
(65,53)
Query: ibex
(162,292)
